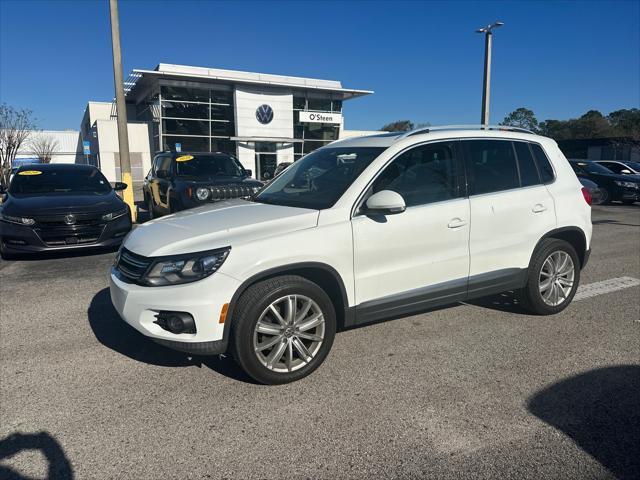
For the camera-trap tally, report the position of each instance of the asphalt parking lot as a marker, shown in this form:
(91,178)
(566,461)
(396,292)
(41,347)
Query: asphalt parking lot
(469,391)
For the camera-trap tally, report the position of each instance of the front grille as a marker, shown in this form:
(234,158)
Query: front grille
(69,234)
(225,192)
(131,265)
(80,219)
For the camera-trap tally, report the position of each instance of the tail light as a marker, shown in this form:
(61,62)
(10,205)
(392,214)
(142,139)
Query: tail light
(587,195)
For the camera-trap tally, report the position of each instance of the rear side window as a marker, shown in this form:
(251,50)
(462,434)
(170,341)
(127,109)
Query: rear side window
(492,165)
(528,171)
(544,166)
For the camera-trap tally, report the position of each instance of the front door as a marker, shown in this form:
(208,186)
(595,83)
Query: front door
(266,160)
(421,256)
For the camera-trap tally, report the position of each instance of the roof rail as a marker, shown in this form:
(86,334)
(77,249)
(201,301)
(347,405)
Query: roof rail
(436,128)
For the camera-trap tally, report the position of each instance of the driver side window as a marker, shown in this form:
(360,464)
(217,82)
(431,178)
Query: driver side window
(424,174)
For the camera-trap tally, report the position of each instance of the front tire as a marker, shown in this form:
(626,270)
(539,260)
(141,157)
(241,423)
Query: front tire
(283,330)
(553,278)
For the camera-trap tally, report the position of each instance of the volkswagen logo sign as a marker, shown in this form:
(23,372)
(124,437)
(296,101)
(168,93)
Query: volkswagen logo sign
(69,219)
(264,114)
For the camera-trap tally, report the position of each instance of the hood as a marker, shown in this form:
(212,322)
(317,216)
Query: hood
(59,204)
(615,176)
(217,225)
(211,180)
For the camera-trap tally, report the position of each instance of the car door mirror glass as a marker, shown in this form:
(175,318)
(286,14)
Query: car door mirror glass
(384,202)
(248,172)
(120,186)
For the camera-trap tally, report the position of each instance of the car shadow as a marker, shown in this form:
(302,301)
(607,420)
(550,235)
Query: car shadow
(58,465)
(53,255)
(503,302)
(114,333)
(613,222)
(600,411)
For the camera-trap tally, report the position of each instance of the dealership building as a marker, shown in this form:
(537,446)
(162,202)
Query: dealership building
(262,119)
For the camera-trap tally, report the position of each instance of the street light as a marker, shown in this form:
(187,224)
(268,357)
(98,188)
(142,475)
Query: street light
(488,31)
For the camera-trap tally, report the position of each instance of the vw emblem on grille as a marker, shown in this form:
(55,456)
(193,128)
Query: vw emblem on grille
(264,114)
(69,219)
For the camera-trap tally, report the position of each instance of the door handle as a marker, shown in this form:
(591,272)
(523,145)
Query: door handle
(538,208)
(456,223)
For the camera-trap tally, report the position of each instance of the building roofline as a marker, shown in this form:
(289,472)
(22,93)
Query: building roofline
(247,78)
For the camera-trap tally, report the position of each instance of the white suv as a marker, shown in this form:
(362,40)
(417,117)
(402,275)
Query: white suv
(361,230)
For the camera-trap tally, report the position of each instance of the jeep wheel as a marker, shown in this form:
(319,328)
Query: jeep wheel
(553,278)
(283,330)
(150,212)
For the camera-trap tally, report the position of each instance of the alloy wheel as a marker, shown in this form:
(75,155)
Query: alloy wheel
(289,333)
(556,278)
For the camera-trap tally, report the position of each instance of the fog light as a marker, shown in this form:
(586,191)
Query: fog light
(176,322)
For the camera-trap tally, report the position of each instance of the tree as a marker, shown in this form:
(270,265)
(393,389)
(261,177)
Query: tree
(15,127)
(43,147)
(398,126)
(522,118)
(626,123)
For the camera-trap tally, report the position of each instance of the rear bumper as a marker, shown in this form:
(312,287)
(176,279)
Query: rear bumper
(26,239)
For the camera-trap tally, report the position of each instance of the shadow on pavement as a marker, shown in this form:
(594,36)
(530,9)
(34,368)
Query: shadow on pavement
(52,254)
(613,222)
(600,411)
(116,334)
(503,302)
(58,467)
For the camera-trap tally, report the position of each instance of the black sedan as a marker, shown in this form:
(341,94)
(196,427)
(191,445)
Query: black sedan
(178,181)
(61,207)
(613,187)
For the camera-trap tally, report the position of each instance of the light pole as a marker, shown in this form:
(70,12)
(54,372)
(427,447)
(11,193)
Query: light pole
(121,109)
(487,69)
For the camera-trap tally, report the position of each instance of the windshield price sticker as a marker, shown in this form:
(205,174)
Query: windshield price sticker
(184,158)
(30,172)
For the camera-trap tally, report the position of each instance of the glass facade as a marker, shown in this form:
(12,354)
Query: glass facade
(314,135)
(198,119)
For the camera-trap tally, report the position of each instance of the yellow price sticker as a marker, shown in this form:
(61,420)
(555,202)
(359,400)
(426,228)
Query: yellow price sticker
(184,158)
(30,172)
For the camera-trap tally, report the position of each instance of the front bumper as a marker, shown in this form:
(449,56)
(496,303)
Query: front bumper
(138,306)
(35,239)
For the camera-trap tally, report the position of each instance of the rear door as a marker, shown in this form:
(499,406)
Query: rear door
(511,209)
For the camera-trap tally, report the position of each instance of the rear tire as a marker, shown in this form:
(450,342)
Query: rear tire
(606,197)
(552,279)
(283,330)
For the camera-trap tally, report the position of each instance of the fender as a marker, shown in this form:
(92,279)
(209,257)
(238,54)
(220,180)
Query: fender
(285,269)
(582,255)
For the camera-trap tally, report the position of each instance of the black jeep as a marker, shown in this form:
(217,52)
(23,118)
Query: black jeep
(178,181)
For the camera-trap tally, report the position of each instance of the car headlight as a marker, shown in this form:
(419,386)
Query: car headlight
(107,217)
(202,193)
(184,268)
(621,183)
(18,220)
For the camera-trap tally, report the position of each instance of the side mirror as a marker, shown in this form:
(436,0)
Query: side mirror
(249,172)
(120,186)
(624,171)
(162,174)
(385,202)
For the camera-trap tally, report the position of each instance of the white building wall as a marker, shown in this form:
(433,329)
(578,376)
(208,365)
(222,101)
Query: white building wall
(67,147)
(139,149)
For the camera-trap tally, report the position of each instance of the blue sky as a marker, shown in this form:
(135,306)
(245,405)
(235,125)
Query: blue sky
(422,59)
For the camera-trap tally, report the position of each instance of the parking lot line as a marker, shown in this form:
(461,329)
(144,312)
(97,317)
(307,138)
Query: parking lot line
(605,286)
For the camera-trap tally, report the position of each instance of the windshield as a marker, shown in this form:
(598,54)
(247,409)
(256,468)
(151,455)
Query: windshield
(65,180)
(592,167)
(319,179)
(634,165)
(218,164)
